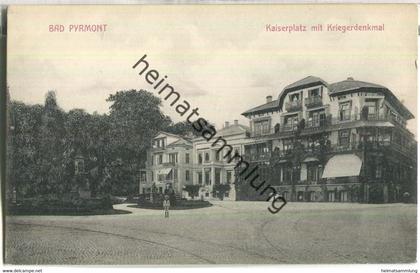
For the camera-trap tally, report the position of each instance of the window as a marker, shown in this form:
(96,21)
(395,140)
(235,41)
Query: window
(294,97)
(218,155)
(314,92)
(262,127)
(153,176)
(174,173)
(345,110)
(173,158)
(226,193)
(291,121)
(312,196)
(160,158)
(344,137)
(207,178)
(161,177)
(287,176)
(312,173)
(372,107)
(228,177)
(153,160)
(187,175)
(200,158)
(159,143)
(143,176)
(316,118)
(207,194)
(206,157)
(344,196)
(217,175)
(200,177)
(187,158)
(287,144)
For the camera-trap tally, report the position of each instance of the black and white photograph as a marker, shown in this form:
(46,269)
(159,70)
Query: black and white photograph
(208,135)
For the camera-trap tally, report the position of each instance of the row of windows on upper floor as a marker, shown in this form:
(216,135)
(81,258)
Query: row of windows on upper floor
(203,177)
(202,157)
(216,155)
(345,137)
(319,118)
(158,159)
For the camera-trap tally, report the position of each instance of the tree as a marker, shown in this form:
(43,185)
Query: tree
(43,141)
(221,189)
(135,118)
(182,128)
(192,190)
(22,151)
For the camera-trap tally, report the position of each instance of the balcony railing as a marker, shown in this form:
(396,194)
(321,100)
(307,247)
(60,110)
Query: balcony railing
(321,124)
(257,157)
(293,106)
(168,164)
(314,101)
(262,132)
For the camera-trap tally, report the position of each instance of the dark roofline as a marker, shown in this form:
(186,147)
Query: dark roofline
(388,93)
(298,87)
(174,135)
(261,110)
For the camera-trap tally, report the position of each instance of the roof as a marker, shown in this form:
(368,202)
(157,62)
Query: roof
(181,139)
(263,108)
(233,129)
(351,84)
(307,81)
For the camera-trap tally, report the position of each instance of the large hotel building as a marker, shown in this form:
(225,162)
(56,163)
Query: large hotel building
(319,142)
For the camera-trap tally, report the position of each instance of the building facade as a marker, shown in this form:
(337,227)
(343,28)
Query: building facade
(317,142)
(169,161)
(340,142)
(213,168)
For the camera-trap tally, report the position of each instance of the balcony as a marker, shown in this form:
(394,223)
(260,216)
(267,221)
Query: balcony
(293,106)
(258,133)
(168,164)
(257,157)
(314,101)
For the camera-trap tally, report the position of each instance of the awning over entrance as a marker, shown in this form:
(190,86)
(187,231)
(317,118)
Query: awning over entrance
(342,165)
(165,171)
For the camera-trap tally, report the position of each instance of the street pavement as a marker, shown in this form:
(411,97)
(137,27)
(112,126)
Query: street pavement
(226,233)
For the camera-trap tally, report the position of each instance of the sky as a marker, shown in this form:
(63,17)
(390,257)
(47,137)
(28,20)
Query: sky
(221,59)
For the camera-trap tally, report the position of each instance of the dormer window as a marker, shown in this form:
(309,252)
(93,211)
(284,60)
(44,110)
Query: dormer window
(345,110)
(294,97)
(315,92)
(159,143)
(262,127)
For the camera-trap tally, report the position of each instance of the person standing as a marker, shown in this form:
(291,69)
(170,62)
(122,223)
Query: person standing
(166,205)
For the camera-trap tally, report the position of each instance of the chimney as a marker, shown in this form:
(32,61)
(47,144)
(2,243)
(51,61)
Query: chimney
(235,122)
(350,79)
(226,124)
(269,99)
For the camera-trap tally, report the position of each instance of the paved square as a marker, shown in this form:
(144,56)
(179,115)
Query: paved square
(226,233)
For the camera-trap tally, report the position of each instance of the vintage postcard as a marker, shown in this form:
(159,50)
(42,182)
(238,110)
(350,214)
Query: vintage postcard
(211,134)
